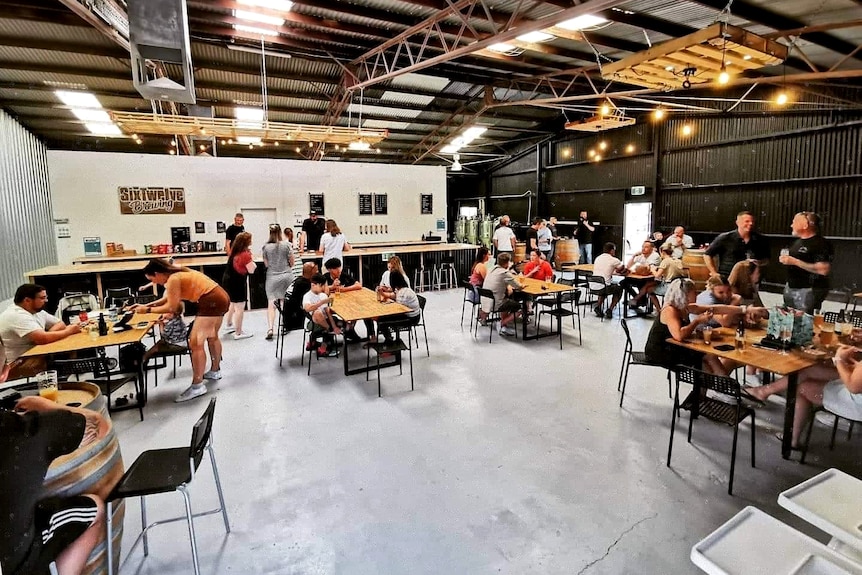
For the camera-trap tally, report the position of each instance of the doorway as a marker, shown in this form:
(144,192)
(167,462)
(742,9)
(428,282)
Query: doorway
(636,227)
(257,222)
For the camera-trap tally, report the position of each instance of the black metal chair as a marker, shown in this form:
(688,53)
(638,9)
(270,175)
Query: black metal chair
(852,318)
(164,471)
(421,323)
(145,298)
(597,286)
(281,332)
(118,297)
(731,414)
(104,375)
(469,290)
(560,312)
(311,331)
(813,419)
(566,297)
(395,347)
(630,358)
(492,317)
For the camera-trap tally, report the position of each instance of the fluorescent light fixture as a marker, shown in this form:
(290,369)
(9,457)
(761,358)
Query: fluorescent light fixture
(255,30)
(450,149)
(535,37)
(501,48)
(248,114)
(582,22)
(92,115)
(280,5)
(474,132)
(257,17)
(359,145)
(78,99)
(100,129)
(248,140)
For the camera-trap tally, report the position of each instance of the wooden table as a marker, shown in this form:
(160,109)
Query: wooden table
(359,305)
(762,358)
(534,288)
(637,279)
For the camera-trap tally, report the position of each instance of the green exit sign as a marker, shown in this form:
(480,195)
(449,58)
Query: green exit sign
(638,190)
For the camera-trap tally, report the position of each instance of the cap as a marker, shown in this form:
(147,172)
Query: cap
(312,213)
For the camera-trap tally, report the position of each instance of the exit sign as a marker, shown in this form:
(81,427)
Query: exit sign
(638,190)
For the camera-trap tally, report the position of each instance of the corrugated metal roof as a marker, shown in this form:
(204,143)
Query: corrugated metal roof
(71,59)
(73,34)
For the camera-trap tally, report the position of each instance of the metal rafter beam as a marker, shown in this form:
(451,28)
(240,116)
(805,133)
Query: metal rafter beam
(399,56)
(433,139)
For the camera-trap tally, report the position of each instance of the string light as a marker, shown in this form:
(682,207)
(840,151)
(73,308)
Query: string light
(687,130)
(658,114)
(603,145)
(172,151)
(781,99)
(605,109)
(567,152)
(591,153)
(630,148)
(723,76)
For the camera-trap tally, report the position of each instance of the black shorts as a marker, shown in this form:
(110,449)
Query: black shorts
(58,523)
(509,305)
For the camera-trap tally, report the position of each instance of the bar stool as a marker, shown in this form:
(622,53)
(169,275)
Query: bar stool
(445,276)
(422,277)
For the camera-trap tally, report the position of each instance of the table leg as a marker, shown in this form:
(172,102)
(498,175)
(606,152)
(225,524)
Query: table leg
(99,290)
(524,317)
(789,411)
(360,271)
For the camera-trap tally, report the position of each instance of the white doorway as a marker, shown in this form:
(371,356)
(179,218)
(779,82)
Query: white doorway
(257,221)
(636,227)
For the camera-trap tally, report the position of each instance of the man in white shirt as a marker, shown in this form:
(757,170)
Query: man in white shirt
(644,263)
(504,237)
(25,324)
(680,242)
(606,265)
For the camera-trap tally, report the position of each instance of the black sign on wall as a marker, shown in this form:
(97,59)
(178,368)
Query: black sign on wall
(315,204)
(381,204)
(365,204)
(426,202)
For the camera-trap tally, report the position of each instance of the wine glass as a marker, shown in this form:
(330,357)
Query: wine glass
(785,334)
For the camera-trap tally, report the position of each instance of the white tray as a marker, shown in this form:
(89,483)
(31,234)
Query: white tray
(831,502)
(754,542)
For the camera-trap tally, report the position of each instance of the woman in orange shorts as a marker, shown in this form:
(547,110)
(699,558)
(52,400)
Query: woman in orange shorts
(184,284)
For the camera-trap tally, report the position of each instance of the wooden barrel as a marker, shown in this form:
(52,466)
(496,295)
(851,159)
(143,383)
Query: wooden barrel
(520,254)
(94,469)
(697,270)
(567,252)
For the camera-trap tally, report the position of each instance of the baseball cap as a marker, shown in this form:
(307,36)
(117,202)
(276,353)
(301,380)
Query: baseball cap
(312,213)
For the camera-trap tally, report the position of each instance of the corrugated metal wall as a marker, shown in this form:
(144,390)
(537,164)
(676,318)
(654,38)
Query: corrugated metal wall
(614,174)
(26,222)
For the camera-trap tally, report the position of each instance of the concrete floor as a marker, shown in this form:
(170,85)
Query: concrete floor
(512,457)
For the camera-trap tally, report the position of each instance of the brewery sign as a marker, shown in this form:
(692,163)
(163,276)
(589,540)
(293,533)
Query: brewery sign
(152,200)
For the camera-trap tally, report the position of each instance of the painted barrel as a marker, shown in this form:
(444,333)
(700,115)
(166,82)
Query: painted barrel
(566,252)
(520,254)
(697,270)
(94,469)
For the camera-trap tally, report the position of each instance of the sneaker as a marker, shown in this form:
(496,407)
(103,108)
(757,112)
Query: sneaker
(609,314)
(634,304)
(192,392)
(269,335)
(598,311)
(242,335)
(228,329)
(352,336)
(214,375)
(752,379)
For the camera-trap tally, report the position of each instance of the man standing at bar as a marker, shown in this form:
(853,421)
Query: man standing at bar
(809,262)
(584,235)
(25,324)
(533,235)
(233,231)
(313,229)
(504,238)
(737,245)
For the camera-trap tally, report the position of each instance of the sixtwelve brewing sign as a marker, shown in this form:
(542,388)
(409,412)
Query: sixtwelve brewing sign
(152,200)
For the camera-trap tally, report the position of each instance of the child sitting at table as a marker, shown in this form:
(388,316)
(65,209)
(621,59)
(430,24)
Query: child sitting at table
(174,335)
(316,305)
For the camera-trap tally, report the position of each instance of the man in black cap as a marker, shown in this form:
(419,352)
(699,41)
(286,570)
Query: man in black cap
(312,230)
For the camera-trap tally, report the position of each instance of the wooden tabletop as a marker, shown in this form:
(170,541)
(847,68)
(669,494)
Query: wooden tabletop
(765,359)
(589,268)
(534,287)
(398,249)
(82,340)
(363,304)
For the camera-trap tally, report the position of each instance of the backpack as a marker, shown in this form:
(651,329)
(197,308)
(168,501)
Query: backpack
(132,357)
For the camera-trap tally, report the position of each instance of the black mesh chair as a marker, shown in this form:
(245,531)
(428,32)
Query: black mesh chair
(118,297)
(164,471)
(597,286)
(813,419)
(395,347)
(565,298)
(104,375)
(630,358)
(492,317)
(560,312)
(420,322)
(730,412)
(311,332)
(469,291)
(145,298)
(281,332)
(852,318)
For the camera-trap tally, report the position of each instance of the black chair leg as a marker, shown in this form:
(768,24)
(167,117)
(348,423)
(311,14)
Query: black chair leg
(850,431)
(752,438)
(807,437)
(733,459)
(834,432)
(622,369)
(673,416)
(669,391)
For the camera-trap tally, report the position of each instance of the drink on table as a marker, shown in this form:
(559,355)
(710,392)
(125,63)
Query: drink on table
(740,335)
(818,319)
(48,385)
(707,335)
(827,333)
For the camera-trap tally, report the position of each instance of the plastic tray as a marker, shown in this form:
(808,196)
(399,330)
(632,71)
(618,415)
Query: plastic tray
(829,501)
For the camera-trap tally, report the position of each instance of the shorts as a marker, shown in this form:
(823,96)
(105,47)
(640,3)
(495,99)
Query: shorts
(214,303)
(508,305)
(58,523)
(611,290)
(838,399)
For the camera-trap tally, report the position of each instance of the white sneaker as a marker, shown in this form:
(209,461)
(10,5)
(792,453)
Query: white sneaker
(228,329)
(212,375)
(192,392)
(242,335)
(752,379)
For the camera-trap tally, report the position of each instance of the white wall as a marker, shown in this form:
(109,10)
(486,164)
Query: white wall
(84,190)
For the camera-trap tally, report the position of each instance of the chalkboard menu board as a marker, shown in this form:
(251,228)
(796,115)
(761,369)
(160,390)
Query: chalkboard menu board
(365,204)
(381,204)
(427,203)
(315,204)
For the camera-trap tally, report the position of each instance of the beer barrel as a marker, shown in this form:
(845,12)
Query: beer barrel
(520,254)
(566,252)
(93,469)
(692,260)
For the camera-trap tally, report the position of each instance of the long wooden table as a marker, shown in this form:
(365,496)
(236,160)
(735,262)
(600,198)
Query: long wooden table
(358,305)
(638,279)
(765,359)
(535,288)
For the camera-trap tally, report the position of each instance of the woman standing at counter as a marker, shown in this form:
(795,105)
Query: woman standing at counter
(278,259)
(239,265)
(333,244)
(184,284)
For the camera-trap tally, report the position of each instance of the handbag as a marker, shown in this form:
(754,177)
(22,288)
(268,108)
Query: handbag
(800,322)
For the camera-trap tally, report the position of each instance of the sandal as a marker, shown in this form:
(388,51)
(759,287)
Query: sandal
(269,335)
(780,437)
